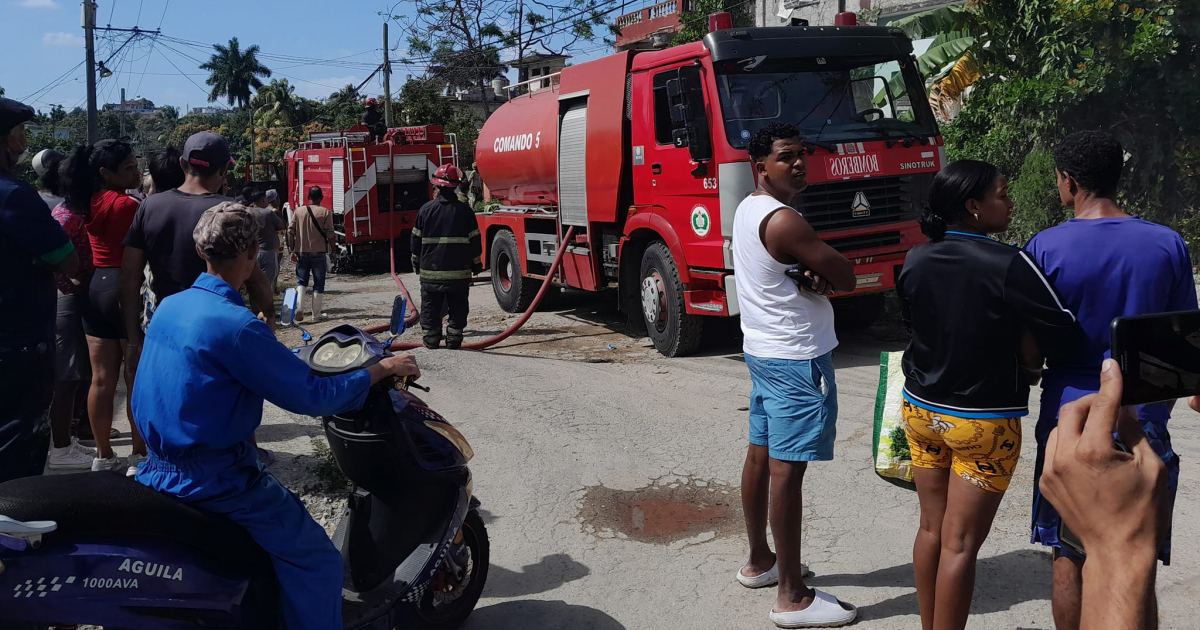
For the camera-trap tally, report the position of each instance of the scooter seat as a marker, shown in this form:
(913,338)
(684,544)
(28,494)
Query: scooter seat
(106,504)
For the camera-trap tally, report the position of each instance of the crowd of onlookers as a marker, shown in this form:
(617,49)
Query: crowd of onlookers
(988,320)
(93,250)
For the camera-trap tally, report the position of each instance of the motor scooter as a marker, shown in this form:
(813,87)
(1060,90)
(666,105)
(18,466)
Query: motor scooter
(102,549)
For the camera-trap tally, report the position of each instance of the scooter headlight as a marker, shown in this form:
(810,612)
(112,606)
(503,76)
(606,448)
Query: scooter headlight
(454,436)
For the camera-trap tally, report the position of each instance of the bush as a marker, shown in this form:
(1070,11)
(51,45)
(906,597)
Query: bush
(1034,192)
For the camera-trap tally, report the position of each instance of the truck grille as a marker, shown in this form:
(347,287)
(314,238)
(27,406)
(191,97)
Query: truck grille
(865,241)
(833,206)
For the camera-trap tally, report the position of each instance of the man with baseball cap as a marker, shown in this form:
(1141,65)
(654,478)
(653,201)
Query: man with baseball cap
(32,246)
(161,235)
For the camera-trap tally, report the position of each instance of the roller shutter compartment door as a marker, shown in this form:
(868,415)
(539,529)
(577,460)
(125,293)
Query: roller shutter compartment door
(572,166)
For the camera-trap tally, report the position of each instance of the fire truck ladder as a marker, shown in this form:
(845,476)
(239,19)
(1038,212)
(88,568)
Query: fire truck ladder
(448,153)
(362,178)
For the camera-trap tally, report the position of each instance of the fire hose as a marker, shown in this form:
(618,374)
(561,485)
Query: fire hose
(486,343)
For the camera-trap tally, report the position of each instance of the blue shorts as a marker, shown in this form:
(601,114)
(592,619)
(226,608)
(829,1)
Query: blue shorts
(793,407)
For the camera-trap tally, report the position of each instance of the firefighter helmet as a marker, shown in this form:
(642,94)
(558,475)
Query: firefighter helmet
(371,102)
(447,175)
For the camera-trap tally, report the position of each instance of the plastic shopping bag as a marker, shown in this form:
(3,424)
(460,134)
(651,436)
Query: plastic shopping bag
(890,446)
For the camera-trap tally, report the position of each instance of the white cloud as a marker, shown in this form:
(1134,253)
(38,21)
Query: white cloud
(38,4)
(317,88)
(62,39)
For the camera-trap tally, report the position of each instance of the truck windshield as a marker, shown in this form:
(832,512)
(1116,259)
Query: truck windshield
(829,100)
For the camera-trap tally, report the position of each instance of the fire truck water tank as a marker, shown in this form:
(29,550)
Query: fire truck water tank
(517,151)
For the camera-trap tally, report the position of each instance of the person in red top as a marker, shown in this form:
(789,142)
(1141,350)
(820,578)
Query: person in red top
(95,180)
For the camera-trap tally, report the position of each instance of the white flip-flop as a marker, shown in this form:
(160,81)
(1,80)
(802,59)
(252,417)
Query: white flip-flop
(770,578)
(824,612)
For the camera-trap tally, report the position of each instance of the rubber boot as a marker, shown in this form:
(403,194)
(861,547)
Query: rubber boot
(300,303)
(454,338)
(432,338)
(318,301)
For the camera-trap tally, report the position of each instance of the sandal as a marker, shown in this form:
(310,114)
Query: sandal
(825,611)
(770,578)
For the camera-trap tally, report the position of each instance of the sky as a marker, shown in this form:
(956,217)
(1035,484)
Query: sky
(318,46)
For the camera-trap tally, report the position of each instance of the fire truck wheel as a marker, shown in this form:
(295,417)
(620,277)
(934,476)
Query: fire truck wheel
(858,312)
(675,332)
(514,292)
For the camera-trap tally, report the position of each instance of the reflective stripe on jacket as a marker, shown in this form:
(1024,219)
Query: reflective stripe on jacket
(446,245)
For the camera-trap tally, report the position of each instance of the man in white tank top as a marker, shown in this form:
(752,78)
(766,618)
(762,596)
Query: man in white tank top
(788,343)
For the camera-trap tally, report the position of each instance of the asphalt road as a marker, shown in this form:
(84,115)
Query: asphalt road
(609,476)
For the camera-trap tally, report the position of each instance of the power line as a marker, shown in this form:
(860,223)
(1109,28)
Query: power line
(164,13)
(181,72)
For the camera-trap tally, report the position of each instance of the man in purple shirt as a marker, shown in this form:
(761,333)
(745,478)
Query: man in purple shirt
(1105,264)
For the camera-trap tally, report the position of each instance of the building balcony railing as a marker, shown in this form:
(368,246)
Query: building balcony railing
(639,25)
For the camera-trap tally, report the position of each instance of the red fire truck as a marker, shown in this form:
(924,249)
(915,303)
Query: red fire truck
(644,153)
(374,188)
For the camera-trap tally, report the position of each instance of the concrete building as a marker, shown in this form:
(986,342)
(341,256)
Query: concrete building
(132,106)
(209,109)
(650,27)
(821,12)
(531,67)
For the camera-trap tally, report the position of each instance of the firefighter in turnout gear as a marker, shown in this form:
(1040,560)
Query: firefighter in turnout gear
(373,120)
(446,251)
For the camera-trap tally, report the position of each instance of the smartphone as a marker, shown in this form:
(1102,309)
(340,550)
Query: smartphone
(1159,356)
(1068,537)
(802,281)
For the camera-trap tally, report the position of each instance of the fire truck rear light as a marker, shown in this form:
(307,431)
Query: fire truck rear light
(845,19)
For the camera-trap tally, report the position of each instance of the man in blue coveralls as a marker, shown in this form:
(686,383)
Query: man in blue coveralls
(207,365)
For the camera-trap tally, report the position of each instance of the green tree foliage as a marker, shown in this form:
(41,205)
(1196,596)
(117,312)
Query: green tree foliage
(695,18)
(1053,67)
(234,73)
(276,104)
(421,103)
(463,41)
(342,109)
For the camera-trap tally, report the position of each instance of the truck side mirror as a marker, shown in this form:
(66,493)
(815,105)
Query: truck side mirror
(678,104)
(687,94)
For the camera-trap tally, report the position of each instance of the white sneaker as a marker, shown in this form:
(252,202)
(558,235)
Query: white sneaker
(112,464)
(68,458)
(90,451)
(135,460)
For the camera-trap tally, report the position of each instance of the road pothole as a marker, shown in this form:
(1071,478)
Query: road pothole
(663,513)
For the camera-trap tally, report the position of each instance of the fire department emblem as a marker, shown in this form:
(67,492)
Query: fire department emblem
(860,206)
(700,221)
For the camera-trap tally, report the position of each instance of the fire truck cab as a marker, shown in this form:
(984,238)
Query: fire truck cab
(374,188)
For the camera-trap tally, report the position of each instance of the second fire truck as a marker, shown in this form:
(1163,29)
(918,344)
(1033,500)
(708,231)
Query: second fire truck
(374,188)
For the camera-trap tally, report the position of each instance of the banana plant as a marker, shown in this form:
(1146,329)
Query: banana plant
(949,55)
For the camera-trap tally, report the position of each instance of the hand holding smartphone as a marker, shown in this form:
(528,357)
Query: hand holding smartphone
(1159,356)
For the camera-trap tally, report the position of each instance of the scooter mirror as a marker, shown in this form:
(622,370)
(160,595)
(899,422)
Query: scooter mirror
(287,312)
(399,310)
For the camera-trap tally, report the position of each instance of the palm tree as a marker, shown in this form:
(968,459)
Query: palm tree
(234,73)
(276,104)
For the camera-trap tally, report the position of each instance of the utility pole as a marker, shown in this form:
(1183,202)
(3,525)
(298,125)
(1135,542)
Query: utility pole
(89,26)
(387,81)
(122,113)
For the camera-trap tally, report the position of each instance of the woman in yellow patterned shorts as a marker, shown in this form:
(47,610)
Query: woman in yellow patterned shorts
(979,311)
